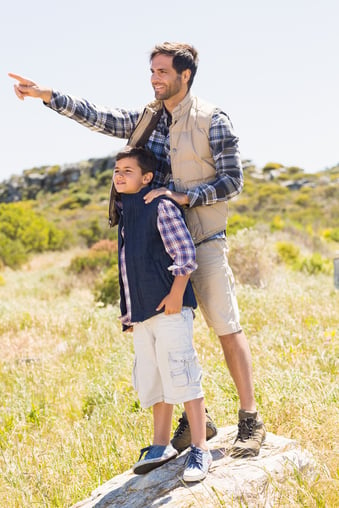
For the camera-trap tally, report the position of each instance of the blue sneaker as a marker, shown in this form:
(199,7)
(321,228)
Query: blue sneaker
(197,465)
(156,456)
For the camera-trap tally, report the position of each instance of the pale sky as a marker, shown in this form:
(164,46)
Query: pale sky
(271,65)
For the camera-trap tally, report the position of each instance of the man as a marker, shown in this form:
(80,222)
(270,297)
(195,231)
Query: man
(199,168)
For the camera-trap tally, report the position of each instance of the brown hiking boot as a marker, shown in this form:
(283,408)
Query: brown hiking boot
(182,434)
(251,435)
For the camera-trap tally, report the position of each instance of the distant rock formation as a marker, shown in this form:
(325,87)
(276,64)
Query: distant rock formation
(250,482)
(50,179)
(55,178)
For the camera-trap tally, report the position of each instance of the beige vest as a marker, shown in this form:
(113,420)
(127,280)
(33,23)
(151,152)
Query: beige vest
(191,160)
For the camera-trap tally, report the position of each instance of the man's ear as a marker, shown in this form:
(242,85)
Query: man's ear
(148,177)
(185,75)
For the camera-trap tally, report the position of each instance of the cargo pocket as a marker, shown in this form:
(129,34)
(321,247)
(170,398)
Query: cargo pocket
(184,368)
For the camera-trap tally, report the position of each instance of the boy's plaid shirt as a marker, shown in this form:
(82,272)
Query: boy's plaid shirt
(120,123)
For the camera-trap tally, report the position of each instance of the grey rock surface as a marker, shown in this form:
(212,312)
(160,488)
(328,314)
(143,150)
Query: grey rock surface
(253,482)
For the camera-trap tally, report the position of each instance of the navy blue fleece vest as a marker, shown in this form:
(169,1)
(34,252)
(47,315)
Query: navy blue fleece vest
(147,261)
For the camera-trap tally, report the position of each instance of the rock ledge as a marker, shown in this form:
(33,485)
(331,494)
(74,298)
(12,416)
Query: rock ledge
(254,482)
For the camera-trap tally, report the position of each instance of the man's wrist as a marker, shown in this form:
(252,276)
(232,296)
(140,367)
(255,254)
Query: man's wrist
(184,201)
(46,95)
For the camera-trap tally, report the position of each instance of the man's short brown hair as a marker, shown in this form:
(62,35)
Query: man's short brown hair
(184,56)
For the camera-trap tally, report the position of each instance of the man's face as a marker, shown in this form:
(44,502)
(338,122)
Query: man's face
(166,82)
(128,177)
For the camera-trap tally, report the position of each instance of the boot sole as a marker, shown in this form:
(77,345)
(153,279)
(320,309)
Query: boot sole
(145,466)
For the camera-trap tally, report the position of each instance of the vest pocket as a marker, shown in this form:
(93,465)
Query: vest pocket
(184,368)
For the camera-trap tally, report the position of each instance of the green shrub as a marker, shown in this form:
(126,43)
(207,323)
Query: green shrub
(107,290)
(272,165)
(237,222)
(316,264)
(101,256)
(331,192)
(76,200)
(53,170)
(313,264)
(250,188)
(93,261)
(23,231)
(282,177)
(332,234)
(105,178)
(277,223)
(303,200)
(334,170)
(12,252)
(288,252)
(270,196)
(293,170)
(93,233)
(242,205)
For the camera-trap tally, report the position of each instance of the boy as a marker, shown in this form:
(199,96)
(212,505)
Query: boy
(156,257)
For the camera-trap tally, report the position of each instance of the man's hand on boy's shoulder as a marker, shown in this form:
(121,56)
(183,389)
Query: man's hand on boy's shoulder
(179,197)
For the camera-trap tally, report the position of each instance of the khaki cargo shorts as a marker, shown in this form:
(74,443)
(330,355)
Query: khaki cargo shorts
(166,367)
(214,287)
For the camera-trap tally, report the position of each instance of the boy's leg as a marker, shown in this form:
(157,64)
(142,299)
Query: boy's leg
(180,369)
(195,411)
(181,379)
(147,381)
(162,423)
(199,458)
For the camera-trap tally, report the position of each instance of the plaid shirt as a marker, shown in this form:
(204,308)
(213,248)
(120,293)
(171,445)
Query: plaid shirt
(120,123)
(178,245)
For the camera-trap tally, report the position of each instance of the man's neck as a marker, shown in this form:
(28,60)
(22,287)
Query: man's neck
(171,103)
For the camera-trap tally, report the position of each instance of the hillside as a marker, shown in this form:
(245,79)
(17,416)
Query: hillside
(72,202)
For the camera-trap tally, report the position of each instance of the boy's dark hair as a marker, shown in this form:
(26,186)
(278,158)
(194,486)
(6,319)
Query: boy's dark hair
(145,158)
(184,55)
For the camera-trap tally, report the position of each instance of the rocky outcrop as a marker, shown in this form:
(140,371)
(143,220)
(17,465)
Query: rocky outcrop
(250,482)
(51,179)
(56,178)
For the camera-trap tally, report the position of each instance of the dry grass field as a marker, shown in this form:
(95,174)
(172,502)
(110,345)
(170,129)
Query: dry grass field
(69,415)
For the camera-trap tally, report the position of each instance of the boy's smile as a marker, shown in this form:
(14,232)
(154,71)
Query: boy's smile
(128,177)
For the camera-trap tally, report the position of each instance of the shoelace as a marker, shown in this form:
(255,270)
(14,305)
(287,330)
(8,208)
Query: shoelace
(183,424)
(194,458)
(142,451)
(245,428)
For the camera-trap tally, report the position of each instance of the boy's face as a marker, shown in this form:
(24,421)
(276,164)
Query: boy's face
(128,177)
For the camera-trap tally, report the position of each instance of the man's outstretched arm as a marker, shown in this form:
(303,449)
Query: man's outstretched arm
(117,122)
(27,88)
